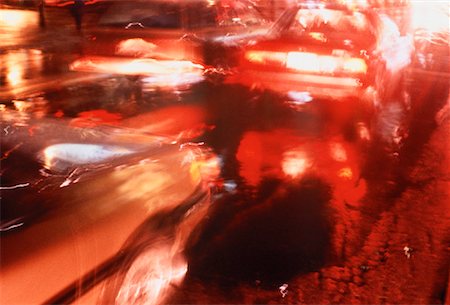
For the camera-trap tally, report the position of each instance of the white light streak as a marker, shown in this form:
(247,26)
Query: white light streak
(14,186)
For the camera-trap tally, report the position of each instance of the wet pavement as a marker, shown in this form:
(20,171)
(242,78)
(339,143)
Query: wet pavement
(314,204)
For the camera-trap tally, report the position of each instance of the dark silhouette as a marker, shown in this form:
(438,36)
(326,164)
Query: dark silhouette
(41,5)
(76,10)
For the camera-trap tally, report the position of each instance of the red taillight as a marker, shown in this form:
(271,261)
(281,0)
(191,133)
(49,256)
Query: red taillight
(309,62)
(355,65)
(266,57)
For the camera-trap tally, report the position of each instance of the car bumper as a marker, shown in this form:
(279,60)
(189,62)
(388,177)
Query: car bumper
(317,86)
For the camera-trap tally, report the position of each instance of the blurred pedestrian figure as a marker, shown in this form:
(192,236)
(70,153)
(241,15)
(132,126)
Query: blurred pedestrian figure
(76,10)
(41,4)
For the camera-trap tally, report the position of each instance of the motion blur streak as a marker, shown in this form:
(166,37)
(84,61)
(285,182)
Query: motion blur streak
(15,69)
(151,276)
(136,186)
(14,186)
(160,265)
(79,154)
(176,122)
(207,168)
(389,123)
(174,80)
(16,18)
(95,117)
(142,66)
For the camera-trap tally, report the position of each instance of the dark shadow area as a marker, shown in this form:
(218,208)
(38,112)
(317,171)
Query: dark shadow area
(283,232)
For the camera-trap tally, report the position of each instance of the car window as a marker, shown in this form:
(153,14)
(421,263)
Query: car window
(320,20)
(223,14)
(232,13)
(201,15)
(151,14)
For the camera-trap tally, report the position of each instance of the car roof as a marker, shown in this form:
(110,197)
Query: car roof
(209,2)
(206,3)
(326,5)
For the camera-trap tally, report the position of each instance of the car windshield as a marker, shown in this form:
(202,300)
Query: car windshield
(330,21)
(238,13)
(161,14)
(154,14)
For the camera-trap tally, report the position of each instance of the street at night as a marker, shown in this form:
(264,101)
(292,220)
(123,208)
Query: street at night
(247,163)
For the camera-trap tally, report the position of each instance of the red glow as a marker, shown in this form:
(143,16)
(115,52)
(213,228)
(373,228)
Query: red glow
(282,154)
(266,57)
(96,117)
(307,62)
(177,122)
(59,114)
(263,154)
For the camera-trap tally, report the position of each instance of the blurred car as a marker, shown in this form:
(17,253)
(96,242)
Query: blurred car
(74,199)
(432,50)
(326,50)
(429,25)
(172,34)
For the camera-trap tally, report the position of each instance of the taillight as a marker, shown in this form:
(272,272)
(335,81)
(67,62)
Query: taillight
(266,57)
(309,62)
(355,65)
